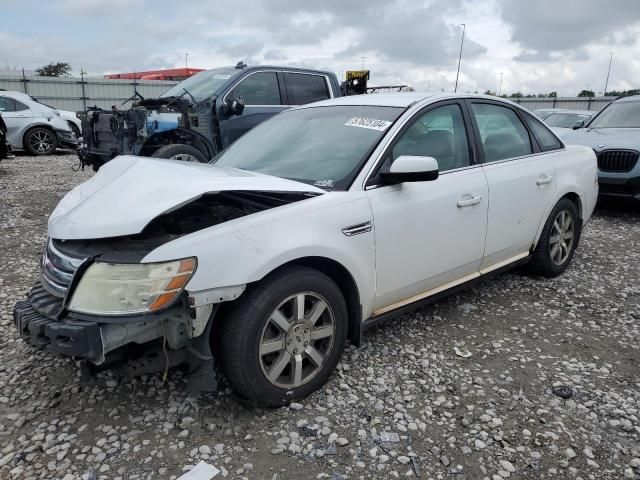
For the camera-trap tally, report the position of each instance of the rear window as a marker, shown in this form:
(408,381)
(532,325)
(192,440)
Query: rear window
(303,88)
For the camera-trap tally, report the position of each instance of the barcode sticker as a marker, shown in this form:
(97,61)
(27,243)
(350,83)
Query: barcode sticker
(372,123)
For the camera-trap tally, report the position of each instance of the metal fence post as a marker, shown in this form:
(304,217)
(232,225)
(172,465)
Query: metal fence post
(24,82)
(84,95)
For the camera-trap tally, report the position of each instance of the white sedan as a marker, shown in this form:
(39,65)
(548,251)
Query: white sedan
(314,226)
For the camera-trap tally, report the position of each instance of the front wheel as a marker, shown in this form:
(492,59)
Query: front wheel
(558,241)
(40,141)
(284,338)
(180,151)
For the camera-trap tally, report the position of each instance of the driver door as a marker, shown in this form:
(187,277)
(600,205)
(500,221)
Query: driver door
(429,235)
(263,97)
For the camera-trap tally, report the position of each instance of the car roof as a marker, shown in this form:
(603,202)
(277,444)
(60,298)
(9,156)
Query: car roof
(575,112)
(399,99)
(15,94)
(632,98)
(254,68)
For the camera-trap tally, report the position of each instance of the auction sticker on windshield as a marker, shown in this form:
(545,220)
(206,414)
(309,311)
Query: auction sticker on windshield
(372,123)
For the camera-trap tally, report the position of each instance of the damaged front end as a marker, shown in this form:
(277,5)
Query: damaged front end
(144,128)
(98,302)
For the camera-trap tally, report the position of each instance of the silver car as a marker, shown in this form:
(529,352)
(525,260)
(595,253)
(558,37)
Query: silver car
(32,126)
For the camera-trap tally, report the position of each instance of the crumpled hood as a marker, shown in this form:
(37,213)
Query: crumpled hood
(603,138)
(128,192)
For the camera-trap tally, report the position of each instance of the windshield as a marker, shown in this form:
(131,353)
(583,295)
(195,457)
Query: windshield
(565,120)
(618,115)
(202,85)
(322,146)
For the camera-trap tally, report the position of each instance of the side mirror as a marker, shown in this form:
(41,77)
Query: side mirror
(408,168)
(234,106)
(578,124)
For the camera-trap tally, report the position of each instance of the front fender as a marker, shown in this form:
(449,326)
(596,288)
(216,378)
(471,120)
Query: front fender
(245,250)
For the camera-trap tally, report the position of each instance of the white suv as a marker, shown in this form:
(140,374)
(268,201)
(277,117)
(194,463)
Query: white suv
(314,226)
(33,126)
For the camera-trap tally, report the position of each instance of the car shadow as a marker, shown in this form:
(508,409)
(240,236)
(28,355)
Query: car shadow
(617,207)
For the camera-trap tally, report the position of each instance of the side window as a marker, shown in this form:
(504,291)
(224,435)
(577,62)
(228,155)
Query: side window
(20,106)
(502,133)
(259,89)
(440,133)
(303,88)
(545,138)
(7,104)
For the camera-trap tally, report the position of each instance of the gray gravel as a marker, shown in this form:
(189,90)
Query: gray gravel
(466,384)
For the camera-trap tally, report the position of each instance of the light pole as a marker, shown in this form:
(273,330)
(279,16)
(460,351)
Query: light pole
(363,62)
(460,56)
(606,84)
(500,87)
(186,61)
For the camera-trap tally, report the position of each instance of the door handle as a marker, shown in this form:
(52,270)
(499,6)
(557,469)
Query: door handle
(544,179)
(467,202)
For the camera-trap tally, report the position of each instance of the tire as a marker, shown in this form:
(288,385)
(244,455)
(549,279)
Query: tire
(249,325)
(180,151)
(551,258)
(40,141)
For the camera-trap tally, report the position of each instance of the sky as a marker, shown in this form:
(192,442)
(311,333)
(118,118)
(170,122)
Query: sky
(539,46)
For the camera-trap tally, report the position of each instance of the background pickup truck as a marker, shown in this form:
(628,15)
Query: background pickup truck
(199,117)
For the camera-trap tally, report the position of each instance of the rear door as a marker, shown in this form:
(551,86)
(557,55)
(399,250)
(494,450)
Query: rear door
(264,96)
(521,180)
(17,116)
(305,88)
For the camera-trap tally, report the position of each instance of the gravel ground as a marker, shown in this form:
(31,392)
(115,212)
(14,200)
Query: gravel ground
(467,384)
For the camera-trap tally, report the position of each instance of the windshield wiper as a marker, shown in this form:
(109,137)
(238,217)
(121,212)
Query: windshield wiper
(188,93)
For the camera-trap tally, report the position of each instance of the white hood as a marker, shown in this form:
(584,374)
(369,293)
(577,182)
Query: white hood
(128,192)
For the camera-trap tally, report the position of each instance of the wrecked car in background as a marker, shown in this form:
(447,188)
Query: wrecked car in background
(269,258)
(199,117)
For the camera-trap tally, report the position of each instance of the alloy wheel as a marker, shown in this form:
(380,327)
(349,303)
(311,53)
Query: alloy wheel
(562,235)
(296,340)
(41,141)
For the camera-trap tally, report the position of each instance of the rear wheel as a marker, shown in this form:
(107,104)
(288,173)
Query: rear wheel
(558,240)
(284,338)
(180,151)
(40,141)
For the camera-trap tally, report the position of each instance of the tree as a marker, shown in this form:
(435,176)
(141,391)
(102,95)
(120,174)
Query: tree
(57,69)
(517,95)
(489,92)
(553,94)
(587,93)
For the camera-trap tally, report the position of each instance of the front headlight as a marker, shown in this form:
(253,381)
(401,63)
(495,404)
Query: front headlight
(119,289)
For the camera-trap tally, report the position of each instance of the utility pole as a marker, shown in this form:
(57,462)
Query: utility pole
(460,56)
(500,87)
(186,61)
(428,85)
(606,84)
(363,62)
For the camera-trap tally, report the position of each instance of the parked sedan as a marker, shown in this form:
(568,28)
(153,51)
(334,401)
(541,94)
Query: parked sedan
(33,126)
(318,224)
(564,121)
(614,134)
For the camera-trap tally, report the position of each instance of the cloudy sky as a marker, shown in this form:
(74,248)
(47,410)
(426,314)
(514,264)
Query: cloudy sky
(540,46)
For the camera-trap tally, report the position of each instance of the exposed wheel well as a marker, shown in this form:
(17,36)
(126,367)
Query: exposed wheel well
(173,137)
(575,199)
(347,285)
(46,127)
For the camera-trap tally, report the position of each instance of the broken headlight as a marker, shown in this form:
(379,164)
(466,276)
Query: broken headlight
(119,289)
